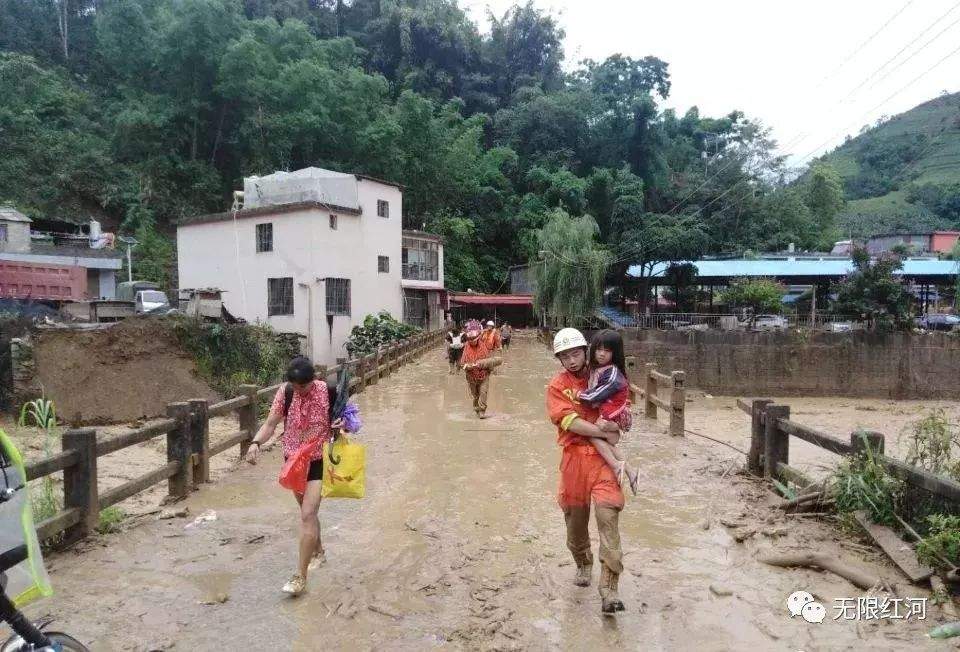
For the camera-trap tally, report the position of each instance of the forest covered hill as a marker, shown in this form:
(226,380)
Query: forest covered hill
(141,112)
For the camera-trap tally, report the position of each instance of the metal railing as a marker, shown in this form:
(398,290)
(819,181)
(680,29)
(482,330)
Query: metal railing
(419,272)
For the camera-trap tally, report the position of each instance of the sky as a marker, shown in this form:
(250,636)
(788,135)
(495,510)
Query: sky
(812,71)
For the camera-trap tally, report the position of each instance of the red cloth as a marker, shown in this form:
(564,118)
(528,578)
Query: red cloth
(308,416)
(584,475)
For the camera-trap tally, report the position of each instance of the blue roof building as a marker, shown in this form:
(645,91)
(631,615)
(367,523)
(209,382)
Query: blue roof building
(799,270)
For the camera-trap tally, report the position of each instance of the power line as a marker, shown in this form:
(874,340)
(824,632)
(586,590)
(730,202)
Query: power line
(922,48)
(904,48)
(864,44)
(881,103)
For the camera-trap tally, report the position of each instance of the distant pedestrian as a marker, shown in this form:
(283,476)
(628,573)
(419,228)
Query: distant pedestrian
(303,405)
(478,361)
(454,339)
(506,332)
(492,336)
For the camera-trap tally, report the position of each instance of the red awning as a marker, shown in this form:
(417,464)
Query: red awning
(492,299)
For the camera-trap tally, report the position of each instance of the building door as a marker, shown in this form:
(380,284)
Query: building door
(415,308)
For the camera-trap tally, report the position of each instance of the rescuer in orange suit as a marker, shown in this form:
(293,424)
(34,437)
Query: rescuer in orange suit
(584,476)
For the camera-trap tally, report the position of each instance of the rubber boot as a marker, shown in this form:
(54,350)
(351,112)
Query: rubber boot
(609,599)
(584,574)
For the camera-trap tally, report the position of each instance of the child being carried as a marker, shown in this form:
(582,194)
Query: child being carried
(609,390)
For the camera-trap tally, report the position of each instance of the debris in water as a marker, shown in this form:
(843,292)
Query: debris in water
(219,598)
(206,517)
(167,514)
(384,611)
(257,539)
(946,631)
(743,535)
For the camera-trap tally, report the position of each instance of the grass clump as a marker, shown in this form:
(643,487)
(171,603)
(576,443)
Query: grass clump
(41,414)
(110,520)
(861,482)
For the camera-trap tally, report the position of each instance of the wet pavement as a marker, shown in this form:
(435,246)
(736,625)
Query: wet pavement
(459,544)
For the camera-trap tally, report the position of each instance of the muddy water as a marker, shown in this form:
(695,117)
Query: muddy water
(458,544)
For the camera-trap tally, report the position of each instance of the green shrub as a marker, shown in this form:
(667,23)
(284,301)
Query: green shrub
(942,541)
(375,332)
(230,355)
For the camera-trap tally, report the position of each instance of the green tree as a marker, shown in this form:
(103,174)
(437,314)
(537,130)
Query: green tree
(653,240)
(681,289)
(873,293)
(759,295)
(571,271)
(824,198)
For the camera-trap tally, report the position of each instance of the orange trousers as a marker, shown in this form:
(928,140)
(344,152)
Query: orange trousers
(586,478)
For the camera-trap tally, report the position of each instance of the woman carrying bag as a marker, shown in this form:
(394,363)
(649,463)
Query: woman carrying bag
(303,404)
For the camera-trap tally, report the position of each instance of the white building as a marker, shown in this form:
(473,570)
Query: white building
(311,252)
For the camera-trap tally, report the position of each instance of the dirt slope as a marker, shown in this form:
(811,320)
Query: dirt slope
(125,372)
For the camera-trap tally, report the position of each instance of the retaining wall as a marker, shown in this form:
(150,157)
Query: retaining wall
(803,363)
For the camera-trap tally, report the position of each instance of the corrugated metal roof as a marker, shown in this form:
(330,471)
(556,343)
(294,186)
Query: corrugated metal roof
(11,214)
(802,267)
(493,299)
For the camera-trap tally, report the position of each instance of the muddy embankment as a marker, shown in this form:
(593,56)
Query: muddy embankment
(128,371)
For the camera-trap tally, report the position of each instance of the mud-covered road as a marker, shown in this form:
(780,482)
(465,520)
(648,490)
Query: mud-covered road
(459,544)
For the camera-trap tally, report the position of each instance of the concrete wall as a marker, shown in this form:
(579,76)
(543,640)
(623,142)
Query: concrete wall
(223,254)
(858,364)
(18,237)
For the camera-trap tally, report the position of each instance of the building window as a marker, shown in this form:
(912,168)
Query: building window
(3,232)
(383,208)
(383,264)
(264,237)
(338,296)
(279,296)
(333,222)
(420,260)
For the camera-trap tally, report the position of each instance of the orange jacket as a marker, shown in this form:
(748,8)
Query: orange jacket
(563,407)
(492,338)
(474,352)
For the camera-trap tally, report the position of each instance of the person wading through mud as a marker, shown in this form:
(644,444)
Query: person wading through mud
(478,359)
(303,405)
(584,475)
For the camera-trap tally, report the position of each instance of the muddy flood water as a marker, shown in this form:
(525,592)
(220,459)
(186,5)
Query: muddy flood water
(459,544)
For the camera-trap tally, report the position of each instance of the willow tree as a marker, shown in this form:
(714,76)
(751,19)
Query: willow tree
(570,268)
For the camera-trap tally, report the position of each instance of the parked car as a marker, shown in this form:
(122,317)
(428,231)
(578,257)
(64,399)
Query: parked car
(839,326)
(151,301)
(769,323)
(938,322)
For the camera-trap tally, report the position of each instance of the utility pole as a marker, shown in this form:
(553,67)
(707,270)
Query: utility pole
(131,243)
(813,308)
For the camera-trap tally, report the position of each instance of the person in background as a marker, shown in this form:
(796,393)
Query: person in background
(454,348)
(478,361)
(492,336)
(303,405)
(506,332)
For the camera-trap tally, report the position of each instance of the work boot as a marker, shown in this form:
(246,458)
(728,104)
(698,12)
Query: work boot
(609,599)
